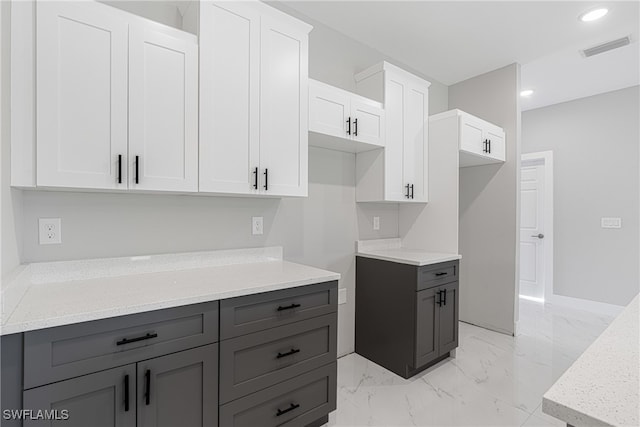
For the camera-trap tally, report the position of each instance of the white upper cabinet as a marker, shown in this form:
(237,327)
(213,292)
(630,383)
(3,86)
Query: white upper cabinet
(82,95)
(253,100)
(400,172)
(479,141)
(116,100)
(163,102)
(336,113)
(229,97)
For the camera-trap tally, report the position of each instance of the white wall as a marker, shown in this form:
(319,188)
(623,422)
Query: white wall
(595,146)
(489,205)
(320,230)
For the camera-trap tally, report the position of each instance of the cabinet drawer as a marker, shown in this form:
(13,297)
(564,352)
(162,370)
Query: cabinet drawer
(437,274)
(252,313)
(256,361)
(69,351)
(295,402)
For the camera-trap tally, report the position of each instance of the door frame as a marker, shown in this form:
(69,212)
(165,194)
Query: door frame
(545,158)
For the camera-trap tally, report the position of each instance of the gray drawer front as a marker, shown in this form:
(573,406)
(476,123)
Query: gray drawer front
(252,313)
(69,351)
(250,362)
(314,392)
(437,274)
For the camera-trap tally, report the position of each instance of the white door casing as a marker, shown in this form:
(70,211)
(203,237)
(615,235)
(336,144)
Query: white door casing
(536,226)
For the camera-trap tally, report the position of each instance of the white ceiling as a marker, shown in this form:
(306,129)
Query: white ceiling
(452,41)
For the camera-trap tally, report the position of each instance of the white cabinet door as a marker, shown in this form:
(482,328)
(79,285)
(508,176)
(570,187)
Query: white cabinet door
(229,97)
(496,139)
(367,122)
(415,142)
(284,103)
(394,104)
(472,135)
(81,95)
(163,109)
(329,109)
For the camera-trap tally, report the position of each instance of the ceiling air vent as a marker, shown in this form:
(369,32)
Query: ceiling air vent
(604,47)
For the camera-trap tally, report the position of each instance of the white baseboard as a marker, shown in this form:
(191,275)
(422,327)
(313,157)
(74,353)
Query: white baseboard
(585,304)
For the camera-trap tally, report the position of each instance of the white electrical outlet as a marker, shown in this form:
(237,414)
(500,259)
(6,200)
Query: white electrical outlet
(256,225)
(342,296)
(611,222)
(50,231)
(376,223)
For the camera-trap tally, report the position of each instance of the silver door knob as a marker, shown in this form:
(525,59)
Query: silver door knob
(539,236)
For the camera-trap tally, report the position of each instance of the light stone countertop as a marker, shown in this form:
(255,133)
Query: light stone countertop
(602,387)
(392,250)
(43,295)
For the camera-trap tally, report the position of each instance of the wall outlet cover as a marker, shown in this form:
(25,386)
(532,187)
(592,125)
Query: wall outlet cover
(376,223)
(50,231)
(611,223)
(342,296)
(257,225)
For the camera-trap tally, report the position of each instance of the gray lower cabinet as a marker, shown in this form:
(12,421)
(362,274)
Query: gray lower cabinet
(275,365)
(179,389)
(420,305)
(102,399)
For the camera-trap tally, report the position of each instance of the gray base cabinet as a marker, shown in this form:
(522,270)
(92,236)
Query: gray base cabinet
(406,316)
(275,365)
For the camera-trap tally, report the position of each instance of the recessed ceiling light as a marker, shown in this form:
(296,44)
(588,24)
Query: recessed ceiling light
(527,92)
(594,14)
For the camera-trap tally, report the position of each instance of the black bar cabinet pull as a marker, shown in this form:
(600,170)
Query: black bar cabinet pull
(126,393)
(288,353)
(119,168)
(407,187)
(439,302)
(136,339)
(441,273)
(147,387)
(355,124)
(289,409)
(137,168)
(489,146)
(266,179)
(349,126)
(444,300)
(412,191)
(288,307)
(255,178)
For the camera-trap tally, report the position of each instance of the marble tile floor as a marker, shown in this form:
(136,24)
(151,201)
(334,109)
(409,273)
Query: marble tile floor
(495,379)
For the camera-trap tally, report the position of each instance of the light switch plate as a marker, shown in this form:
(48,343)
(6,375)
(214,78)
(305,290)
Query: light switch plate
(342,296)
(50,231)
(257,225)
(611,222)
(376,223)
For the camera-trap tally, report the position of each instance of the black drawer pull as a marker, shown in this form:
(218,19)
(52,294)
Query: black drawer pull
(147,387)
(126,393)
(289,409)
(444,301)
(288,353)
(441,273)
(136,339)
(288,307)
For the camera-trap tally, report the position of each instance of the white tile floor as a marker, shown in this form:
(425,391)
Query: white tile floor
(495,380)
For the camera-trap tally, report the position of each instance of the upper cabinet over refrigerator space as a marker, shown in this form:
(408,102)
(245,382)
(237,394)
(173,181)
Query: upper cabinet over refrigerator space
(253,100)
(399,173)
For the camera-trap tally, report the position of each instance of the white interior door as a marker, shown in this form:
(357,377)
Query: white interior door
(284,107)
(82,95)
(532,229)
(163,110)
(229,97)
